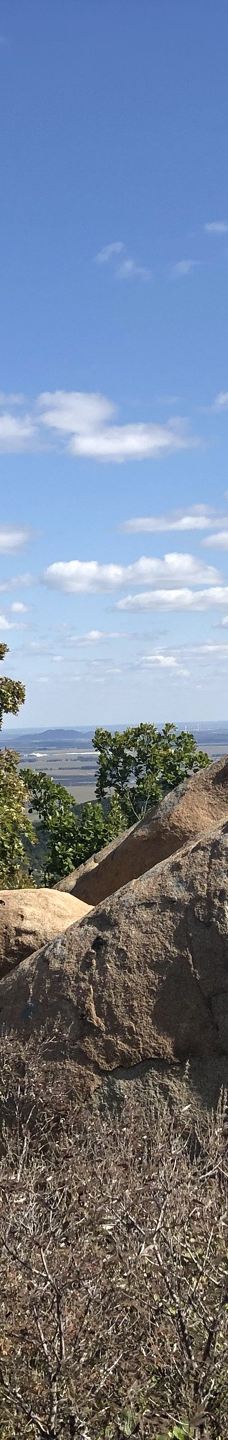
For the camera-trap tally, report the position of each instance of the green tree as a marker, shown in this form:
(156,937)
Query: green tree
(15,828)
(12,692)
(70,835)
(142,764)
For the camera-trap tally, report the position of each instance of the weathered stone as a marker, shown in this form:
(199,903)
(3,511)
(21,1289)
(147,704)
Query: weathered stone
(143,977)
(190,809)
(28,918)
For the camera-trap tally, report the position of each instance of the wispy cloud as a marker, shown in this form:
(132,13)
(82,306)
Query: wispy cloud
(109,252)
(76,576)
(219,538)
(211,648)
(94,637)
(5,624)
(163,662)
(211,656)
(14,582)
(14,398)
(221,400)
(126,269)
(84,424)
(179,599)
(12,540)
(130,270)
(198,517)
(16,433)
(183,268)
(18,607)
(216,227)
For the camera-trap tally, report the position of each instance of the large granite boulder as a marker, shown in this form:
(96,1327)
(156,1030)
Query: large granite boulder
(145,976)
(190,809)
(28,918)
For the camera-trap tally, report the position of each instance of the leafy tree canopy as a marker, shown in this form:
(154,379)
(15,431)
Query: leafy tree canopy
(140,765)
(15,828)
(12,693)
(70,835)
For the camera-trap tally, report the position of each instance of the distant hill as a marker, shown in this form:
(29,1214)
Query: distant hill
(47,739)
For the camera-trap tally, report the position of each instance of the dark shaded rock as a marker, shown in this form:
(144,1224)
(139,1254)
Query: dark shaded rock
(145,977)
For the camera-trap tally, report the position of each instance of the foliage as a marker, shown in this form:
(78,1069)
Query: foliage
(70,835)
(12,693)
(113,1261)
(135,769)
(142,764)
(15,829)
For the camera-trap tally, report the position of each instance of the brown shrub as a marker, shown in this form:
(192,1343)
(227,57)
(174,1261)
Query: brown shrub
(113,1270)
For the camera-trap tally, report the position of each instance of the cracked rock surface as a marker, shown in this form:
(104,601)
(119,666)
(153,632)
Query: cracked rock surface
(144,977)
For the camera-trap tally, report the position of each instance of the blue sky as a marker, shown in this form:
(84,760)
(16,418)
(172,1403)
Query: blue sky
(114,364)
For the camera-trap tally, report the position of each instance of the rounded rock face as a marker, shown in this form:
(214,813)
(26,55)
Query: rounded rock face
(144,977)
(29,918)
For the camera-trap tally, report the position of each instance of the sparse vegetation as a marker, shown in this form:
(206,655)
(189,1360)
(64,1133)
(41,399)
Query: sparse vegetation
(114,1268)
(113,1211)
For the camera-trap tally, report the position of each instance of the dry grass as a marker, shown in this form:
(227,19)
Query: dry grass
(114,1269)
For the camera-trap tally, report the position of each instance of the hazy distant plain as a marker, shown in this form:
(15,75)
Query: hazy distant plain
(69,758)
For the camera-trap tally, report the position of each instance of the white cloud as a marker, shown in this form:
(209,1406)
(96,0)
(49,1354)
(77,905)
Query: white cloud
(224,621)
(16,433)
(12,540)
(184,267)
(74,412)
(109,251)
(84,419)
(220,538)
(18,607)
(217,227)
(198,517)
(180,599)
(83,424)
(129,270)
(131,442)
(163,662)
(5,624)
(221,400)
(93,637)
(75,576)
(212,649)
(114,670)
